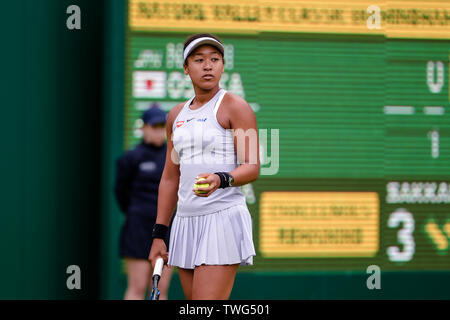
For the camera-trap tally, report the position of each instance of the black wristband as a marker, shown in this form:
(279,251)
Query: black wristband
(159,231)
(225,179)
(222,178)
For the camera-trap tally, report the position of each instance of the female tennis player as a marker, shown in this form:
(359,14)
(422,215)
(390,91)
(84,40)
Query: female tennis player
(212,136)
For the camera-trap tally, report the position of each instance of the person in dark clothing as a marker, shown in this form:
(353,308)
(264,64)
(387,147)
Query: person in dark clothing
(138,175)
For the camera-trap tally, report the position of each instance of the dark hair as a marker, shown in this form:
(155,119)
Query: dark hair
(201,35)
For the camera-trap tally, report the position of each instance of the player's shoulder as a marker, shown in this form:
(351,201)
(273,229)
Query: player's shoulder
(174,112)
(236,103)
(233,98)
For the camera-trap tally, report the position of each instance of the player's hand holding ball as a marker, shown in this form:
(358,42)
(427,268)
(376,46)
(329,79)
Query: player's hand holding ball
(205,184)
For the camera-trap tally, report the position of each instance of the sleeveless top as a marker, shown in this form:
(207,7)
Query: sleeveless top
(202,145)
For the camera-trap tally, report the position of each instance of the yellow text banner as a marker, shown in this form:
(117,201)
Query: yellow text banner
(319,224)
(397,19)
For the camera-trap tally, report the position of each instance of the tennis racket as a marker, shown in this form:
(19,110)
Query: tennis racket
(155,278)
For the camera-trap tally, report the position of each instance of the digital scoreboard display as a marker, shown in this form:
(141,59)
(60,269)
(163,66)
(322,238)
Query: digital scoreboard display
(353,114)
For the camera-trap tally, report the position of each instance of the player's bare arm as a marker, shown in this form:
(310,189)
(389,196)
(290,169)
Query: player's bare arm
(168,187)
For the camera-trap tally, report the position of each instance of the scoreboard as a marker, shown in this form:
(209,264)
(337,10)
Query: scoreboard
(353,109)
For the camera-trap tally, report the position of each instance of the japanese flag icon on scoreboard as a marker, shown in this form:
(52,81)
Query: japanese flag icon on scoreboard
(149,84)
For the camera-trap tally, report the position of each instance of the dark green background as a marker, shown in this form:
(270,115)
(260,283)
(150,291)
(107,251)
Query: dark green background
(50,136)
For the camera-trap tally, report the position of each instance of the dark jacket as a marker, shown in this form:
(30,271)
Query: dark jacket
(137,179)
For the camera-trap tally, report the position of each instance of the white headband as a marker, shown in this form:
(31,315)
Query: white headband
(197,42)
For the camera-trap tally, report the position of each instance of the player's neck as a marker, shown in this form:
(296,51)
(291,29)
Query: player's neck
(203,96)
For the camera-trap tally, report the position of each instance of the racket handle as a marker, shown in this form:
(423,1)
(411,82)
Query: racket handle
(158,267)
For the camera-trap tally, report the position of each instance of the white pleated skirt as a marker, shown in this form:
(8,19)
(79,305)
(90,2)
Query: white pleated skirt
(220,238)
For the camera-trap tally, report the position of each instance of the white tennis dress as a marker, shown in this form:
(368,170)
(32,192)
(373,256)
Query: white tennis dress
(213,230)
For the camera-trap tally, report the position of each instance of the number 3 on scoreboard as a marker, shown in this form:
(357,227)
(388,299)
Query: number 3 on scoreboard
(404,236)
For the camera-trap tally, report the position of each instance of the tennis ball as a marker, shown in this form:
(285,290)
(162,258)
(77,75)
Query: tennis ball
(203,185)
